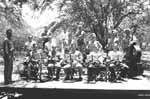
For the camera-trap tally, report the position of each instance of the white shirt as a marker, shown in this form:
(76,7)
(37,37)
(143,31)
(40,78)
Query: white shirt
(137,47)
(54,42)
(92,56)
(48,46)
(78,55)
(60,54)
(116,55)
(29,45)
(97,44)
(101,56)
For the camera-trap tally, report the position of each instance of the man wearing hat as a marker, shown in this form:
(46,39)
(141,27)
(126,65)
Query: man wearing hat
(8,49)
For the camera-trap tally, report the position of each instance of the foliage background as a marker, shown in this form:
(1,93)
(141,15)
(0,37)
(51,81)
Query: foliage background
(91,15)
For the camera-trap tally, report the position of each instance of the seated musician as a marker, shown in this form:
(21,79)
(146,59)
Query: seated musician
(67,65)
(116,56)
(31,64)
(93,62)
(95,48)
(51,62)
(59,60)
(117,64)
(77,62)
(50,49)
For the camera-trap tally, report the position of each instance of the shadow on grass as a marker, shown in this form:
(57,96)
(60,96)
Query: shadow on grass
(90,82)
(146,76)
(135,78)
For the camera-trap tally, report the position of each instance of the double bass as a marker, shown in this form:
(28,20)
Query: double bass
(133,59)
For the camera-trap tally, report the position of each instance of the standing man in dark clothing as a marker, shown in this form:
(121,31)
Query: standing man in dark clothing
(44,36)
(81,45)
(8,49)
(80,41)
(133,56)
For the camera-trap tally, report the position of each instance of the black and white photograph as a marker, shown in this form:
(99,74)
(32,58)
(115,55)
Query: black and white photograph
(74,48)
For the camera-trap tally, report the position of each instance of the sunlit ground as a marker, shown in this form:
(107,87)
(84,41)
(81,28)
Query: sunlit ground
(139,83)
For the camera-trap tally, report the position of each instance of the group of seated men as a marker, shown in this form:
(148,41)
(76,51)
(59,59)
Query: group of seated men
(71,61)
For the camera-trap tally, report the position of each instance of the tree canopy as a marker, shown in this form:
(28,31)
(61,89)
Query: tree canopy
(101,17)
(11,17)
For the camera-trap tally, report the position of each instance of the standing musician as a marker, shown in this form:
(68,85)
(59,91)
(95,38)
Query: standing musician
(94,45)
(82,45)
(44,36)
(132,57)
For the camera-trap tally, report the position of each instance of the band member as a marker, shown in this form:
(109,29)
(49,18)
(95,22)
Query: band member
(51,50)
(133,56)
(92,60)
(51,63)
(115,54)
(68,67)
(78,62)
(94,45)
(30,64)
(48,46)
(80,42)
(126,40)
(59,60)
(8,49)
(44,36)
(64,45)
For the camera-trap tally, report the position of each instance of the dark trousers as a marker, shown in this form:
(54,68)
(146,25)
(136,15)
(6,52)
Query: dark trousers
(69,73)
(58,69)
(8,62)
(91,74)
(50,72)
